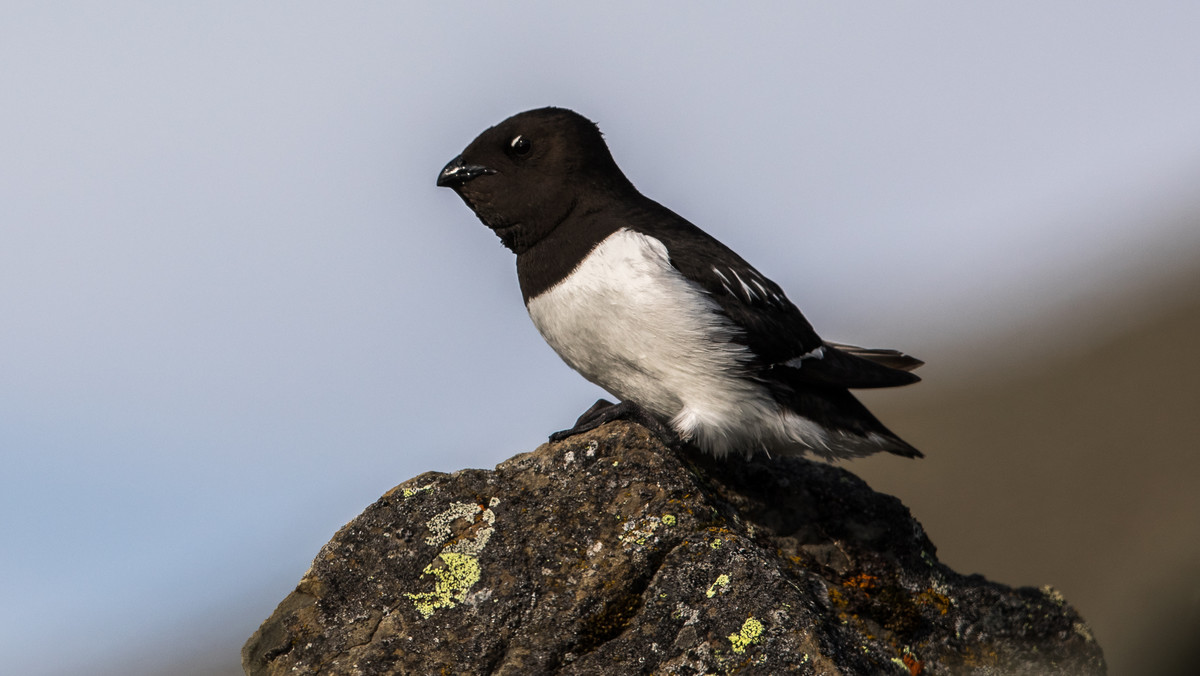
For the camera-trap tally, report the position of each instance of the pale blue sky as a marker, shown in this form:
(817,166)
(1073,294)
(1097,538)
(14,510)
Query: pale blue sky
(236,309)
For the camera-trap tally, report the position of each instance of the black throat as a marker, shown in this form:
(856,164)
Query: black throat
(552,258)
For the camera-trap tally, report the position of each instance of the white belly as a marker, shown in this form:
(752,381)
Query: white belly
(629,322)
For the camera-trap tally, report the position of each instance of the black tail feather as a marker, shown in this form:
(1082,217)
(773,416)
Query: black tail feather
(852,429)
(891,358)
(839,368)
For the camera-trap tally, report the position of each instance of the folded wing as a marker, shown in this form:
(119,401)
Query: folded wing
(784,344)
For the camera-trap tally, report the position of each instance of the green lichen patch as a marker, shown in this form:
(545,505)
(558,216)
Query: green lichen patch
(409,492)
(459,569)
(748,635)
(452,580)
(641,531)
(721,581)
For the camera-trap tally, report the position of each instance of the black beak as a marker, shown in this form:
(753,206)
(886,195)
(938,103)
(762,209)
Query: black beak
(456,174)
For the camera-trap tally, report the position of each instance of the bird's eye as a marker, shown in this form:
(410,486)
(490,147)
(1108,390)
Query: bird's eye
(521,145)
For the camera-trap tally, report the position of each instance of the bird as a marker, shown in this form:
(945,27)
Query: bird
(697,344)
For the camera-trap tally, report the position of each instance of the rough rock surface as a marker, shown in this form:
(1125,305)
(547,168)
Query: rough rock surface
(610,554)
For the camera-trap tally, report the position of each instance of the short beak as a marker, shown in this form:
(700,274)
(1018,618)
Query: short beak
(456,174)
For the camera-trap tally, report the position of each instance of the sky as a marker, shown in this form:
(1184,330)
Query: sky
(236,310)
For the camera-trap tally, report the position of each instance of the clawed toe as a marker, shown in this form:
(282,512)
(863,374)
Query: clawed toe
(597,409)
(604,411)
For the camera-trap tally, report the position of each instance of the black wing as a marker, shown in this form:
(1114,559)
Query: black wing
(782,340)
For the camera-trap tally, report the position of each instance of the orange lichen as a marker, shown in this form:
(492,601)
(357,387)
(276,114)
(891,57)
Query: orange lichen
(862,581)
(915,666)
(936,599)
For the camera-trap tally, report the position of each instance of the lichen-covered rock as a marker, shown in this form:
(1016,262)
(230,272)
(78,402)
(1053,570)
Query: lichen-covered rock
(608,553)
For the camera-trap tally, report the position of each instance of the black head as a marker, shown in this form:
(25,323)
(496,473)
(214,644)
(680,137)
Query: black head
(523,176)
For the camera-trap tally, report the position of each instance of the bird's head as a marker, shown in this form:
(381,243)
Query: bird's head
(523,176)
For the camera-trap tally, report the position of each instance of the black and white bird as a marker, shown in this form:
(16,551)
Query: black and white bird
(651,308)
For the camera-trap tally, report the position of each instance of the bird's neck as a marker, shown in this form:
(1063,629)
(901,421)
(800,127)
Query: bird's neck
(553,257)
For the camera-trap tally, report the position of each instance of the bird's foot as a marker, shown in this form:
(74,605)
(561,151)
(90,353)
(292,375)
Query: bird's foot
(604,411)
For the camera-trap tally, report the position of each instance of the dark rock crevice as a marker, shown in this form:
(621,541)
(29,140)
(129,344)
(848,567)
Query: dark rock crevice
(610,553)
(618,613)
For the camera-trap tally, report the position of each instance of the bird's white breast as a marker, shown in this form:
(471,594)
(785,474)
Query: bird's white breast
(631,323)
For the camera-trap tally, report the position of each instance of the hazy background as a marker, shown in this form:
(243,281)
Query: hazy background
(234,309)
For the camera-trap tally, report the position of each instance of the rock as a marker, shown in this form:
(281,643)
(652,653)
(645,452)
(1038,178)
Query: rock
(608,553)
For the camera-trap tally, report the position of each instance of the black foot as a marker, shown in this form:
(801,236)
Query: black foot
(604,411)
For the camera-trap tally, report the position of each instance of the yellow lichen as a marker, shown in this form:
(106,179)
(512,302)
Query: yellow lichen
(409,492)
(459,569)
(641,531)
(749,634)
(721,581)
(452,580)
(668,519)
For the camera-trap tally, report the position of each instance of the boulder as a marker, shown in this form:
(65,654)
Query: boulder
(609,553)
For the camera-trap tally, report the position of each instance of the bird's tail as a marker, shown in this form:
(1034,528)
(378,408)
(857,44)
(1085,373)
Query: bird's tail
(854,367)
(890,358)
(848,429)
